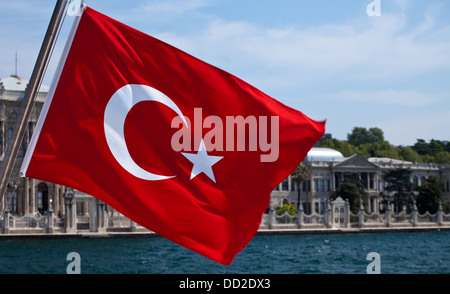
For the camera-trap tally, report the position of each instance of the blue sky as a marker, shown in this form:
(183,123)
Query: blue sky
(326,58)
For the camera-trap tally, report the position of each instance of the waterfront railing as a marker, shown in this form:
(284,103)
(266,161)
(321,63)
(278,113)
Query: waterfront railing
(337,215)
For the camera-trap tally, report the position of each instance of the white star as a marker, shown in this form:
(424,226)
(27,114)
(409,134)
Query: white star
(202,162)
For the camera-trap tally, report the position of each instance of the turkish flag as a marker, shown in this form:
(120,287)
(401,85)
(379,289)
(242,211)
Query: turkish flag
(179,146)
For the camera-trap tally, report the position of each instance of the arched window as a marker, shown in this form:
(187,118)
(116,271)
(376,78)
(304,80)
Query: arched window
(285,185)
(42,198)
(415,181)
(12,198)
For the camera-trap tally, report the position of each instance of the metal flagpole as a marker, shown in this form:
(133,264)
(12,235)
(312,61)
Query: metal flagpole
(30,95)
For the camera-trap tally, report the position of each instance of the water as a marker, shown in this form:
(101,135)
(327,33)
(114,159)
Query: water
(400,253)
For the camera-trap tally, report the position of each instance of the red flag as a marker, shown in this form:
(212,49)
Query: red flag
(181,147)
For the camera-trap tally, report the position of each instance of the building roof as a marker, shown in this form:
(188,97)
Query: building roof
(13,88)
(323,154)
(386,160)
(13,83)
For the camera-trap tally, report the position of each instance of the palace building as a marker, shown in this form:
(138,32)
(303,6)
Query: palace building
(23,195)
(327,169)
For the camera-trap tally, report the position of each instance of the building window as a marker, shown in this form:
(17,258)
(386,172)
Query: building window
(321,186)
(42,198)
(415,181)
(285,185)
(12,198)
(316,207)
(316,185)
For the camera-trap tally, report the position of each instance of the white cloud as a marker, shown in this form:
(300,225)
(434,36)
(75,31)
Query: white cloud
(381,49)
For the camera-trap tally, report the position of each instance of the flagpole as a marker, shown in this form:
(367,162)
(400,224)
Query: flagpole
(30,95)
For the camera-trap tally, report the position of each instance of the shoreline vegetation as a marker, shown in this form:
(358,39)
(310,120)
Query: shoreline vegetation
(371,143)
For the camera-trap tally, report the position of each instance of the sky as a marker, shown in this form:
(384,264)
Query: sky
(328,59)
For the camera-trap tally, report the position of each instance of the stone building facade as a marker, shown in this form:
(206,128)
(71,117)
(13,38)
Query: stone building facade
(24,195)
(328,169)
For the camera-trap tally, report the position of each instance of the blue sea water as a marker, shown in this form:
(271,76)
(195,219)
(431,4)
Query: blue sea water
(400,253)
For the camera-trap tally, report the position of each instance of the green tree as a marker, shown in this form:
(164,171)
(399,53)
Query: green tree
(435,151)
(370,143)
(430,195)
(400,187)
(344,147)
(290,209)
(376,135)
(300,175)
(435,146)
(442,157)
(387,150)
(349,191)
(421,147)
(408,154)
(360,136)
(287,207)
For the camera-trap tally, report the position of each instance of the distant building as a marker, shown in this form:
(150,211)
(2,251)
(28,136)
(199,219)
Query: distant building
(328,168)
(31,195)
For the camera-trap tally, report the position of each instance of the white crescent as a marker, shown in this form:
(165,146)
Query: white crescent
(116,112)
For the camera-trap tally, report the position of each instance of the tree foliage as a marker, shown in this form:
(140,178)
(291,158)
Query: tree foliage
(400,187)
(360,136)
(287,207)
(300,175)
(350,192)
(430,196)
(371,143)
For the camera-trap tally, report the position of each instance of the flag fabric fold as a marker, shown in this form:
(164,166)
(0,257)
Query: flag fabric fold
(181,147)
